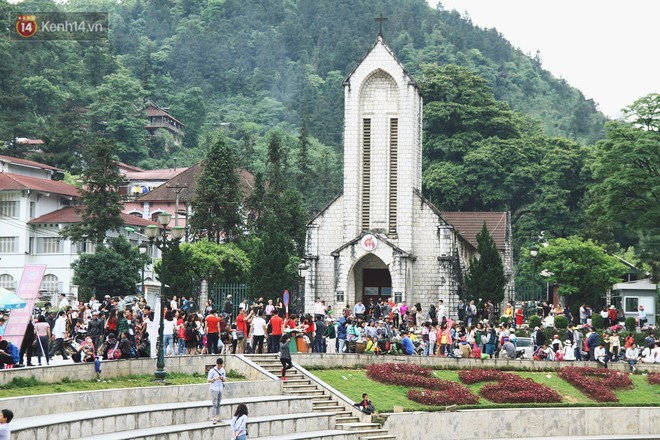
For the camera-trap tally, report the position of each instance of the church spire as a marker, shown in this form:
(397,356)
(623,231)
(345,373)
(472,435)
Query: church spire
(380,19)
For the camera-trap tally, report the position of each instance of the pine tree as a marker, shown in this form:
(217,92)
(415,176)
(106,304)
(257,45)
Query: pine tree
(485,278)
(99,203)
(217,202)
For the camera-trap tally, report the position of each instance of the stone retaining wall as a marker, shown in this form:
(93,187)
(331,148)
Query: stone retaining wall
(126,367)
(524,423)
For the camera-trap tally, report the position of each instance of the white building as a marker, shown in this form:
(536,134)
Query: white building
(381,237)
(34,206)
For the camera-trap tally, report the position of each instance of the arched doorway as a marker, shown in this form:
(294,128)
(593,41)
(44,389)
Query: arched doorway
(372,279)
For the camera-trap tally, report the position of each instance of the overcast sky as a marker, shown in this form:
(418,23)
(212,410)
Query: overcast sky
(608,49)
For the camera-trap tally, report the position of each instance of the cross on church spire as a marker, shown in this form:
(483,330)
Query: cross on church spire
(380,19)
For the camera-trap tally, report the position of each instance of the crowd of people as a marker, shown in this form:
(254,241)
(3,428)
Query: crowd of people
(115,329)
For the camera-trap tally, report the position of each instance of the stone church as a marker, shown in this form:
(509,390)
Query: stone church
(380,237)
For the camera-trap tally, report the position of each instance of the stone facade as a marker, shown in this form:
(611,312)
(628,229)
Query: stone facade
(381,226)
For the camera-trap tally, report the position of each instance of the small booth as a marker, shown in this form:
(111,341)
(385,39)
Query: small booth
(637,293)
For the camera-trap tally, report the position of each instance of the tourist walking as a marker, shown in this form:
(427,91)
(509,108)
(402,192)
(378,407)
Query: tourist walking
(239,423)
(216,378)
(285,355)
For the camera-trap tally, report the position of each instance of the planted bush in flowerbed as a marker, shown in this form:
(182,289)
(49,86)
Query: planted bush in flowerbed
(597,383)
(654,378)
(510,388)
(434,391)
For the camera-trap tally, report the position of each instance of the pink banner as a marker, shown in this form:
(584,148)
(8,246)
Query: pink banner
(28,290)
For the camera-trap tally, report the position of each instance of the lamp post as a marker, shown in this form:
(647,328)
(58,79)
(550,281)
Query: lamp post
(158,236)
(533,252)
(143,247)
(302,272)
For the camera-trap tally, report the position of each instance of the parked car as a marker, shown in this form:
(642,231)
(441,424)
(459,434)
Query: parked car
(526,344)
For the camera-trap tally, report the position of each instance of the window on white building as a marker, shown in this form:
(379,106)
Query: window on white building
(50,283)
(33,209)
(7,281)
(8,245)
(49,245)
(9,209)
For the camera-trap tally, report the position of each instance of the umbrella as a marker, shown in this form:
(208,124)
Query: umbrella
(9,300)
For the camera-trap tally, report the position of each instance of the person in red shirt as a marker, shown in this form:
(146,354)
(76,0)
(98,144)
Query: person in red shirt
(241,328)
(212,332)
(276,323)
(519,317)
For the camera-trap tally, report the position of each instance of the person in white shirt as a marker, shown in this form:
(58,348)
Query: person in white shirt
(64,303)
(6,416)
(632,356)
(238,424)
(442,311)
(569,350)
(258,330)
(216,378)
(359,309)
(648,354)
(600,354)
(174,304)
(59,333)
(319,307)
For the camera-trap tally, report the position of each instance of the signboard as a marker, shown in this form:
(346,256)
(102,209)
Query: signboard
(285,298)
(369,243)
(28,289)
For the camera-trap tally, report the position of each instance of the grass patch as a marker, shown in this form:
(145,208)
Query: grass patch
(352,383)
(29,387)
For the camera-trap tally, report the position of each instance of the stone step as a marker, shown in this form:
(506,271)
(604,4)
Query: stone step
(377,437)
(334,434)
(286,425)
(305,392)
(349,419)
(370,432)
(358,426)
(106,421)
(299,387)
(330,408)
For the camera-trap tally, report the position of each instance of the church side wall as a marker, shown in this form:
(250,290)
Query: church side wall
(324,236)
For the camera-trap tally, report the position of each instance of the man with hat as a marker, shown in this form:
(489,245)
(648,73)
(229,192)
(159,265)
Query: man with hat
(95,328)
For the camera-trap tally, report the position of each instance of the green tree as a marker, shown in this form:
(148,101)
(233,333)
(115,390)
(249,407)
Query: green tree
(99,202)
(485,278)
(113,270)
(582,269)
(218,193)
(117,109)
(172,270)
(216,263)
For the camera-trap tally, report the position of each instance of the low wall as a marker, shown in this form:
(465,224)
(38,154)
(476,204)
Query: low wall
(524,423)
(355,360)
(39,405)
(126,367)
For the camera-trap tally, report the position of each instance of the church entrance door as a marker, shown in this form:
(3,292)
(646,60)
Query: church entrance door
(377,284)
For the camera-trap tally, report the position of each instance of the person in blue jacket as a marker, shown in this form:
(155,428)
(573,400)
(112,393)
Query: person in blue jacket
(341,334)
(406,343)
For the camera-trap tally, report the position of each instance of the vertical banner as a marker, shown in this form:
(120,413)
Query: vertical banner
(154,326)
(28,289)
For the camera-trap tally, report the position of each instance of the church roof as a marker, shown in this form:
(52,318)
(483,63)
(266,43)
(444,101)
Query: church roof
(380,237)
(469,225)
(381,41)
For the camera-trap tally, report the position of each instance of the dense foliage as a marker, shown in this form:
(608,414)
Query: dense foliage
(597,383)
(509,388)
(485,278)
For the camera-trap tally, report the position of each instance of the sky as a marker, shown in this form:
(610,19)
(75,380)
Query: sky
(605,48)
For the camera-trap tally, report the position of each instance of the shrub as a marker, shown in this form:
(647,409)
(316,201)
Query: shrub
(561,322)
(596,383)
(631,324)
(654,378)
(534,321)
(597,321)
(509,388)
(504,319)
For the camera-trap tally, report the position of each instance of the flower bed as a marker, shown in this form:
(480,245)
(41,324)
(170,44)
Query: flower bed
(434,391)
(654,378)
(509,388)
(597,383)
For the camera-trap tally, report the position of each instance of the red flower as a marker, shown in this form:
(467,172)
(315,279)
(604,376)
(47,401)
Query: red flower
(596,383)
(654,378)
(435,391)
(509,388)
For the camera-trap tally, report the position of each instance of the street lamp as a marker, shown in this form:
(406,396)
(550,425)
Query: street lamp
(158,236)
(302,272)
(533,252)
(143,247)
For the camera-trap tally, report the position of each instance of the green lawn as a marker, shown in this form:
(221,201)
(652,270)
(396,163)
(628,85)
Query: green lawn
(30,387)
(352,383)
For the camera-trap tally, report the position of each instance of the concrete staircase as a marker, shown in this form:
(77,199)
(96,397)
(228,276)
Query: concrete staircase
(301,383)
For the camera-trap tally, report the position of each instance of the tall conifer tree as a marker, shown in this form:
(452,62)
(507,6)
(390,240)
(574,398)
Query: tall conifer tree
(485,278)
(217,202)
